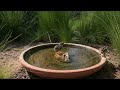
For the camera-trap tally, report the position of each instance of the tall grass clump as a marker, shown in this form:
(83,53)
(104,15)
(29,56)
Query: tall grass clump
(112,24)
(88,29)
(114,18)
(30,26)
(13,21)
(46,25)
(64,25)
(54,25)
(6,40)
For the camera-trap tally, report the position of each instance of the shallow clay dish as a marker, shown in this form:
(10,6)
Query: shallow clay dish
(61,74)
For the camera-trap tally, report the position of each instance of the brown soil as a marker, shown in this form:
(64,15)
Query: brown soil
(10,59)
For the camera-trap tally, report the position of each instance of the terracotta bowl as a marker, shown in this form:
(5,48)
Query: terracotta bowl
(60,74)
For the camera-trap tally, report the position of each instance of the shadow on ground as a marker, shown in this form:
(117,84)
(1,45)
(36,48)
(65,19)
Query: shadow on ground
(32,76)
(107,72)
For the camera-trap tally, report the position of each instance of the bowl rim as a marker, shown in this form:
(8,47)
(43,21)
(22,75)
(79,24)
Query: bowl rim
(31,67)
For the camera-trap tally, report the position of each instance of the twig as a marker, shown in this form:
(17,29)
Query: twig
(49,38)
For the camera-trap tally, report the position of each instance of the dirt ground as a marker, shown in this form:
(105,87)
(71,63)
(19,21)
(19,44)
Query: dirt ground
(10,59)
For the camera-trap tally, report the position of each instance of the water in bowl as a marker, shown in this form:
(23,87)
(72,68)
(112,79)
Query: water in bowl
(79,58)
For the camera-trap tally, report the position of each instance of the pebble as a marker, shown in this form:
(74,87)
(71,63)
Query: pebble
(1,58)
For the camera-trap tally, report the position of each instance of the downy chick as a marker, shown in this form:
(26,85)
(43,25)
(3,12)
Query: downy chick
(59,46)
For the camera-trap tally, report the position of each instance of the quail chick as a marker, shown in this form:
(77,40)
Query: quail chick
(59,46)
(104,50)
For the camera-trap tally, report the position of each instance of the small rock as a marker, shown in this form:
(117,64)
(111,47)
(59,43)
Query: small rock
(1,58)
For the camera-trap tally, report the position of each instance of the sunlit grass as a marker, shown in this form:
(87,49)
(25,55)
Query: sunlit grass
(4,72)
(55,25)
